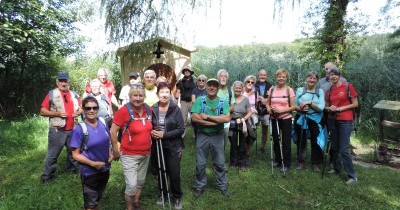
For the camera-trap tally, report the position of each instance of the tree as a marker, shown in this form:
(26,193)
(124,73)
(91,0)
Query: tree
(33,36)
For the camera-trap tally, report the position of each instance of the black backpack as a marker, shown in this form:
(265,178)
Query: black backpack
(132,117)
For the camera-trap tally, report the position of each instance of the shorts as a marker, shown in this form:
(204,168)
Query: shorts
(135,169)
(264,119)
(93,187)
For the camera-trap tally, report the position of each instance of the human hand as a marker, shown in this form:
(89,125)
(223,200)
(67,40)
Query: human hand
(62,114)
(98,165)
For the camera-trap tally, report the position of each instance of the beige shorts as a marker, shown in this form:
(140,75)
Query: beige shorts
(135,169)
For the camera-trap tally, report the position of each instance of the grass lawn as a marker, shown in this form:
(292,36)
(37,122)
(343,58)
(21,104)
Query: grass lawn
(23,147)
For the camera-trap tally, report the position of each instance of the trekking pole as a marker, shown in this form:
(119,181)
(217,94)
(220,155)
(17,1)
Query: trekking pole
(326,153)
(165,173)
(280,146)
(160,170)
(271,148)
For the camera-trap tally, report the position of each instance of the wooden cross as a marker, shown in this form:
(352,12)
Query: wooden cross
(158,51)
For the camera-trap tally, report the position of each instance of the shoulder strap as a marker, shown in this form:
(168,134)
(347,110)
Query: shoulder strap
(85,139)
(203,104)
(220,107)
(148,112)
(51,95)
(272,92)
(348,92)
(230,95)
(288,95)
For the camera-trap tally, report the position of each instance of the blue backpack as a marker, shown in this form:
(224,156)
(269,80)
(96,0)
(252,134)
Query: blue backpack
(132,117)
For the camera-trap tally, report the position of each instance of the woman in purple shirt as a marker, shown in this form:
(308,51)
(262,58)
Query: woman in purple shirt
(90,145)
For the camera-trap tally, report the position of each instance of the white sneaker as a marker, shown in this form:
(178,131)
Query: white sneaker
(178,203)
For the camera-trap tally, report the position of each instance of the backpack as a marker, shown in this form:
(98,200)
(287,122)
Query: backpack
(85,140)
(220,106)
(287,96)
(316,91)
(356,111)
(132,117)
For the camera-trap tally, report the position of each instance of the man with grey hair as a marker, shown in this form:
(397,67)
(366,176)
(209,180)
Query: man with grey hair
(150,87)
(224,93)
(324,83)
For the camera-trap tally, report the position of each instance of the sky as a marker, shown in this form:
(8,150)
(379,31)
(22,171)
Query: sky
(245,21)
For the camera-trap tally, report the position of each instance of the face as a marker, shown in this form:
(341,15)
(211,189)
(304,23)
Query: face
(102,76)
(249,84)
(333,78)
(212,89)
(133,80)
(95,89)
(223,78)
(164,95)
(186,73)
(62,84)
(91,109)
(262,76)
(150,80)
(201,82)
(281,79)
(328,67)
(137,97)
(237,89)
(311,80)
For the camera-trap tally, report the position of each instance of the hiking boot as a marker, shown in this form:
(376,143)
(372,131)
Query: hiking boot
(197,193)
(178,203)
(316,168)
(225,193)
(351,181)
(300,166)
(160,201)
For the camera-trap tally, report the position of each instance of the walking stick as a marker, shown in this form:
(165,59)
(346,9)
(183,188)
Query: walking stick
(162,172)
(280,146)
(329,144)
(271,148)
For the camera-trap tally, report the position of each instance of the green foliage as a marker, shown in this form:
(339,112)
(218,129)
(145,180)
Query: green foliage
(33,36)
(256,188)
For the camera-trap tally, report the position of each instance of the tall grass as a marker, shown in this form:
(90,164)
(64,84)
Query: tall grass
(24,144)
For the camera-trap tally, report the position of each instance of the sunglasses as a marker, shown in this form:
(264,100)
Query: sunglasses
(90,108)
(137,86)
(250,82)
(202,80)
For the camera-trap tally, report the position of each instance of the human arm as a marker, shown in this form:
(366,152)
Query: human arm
(114,141)
(77,155)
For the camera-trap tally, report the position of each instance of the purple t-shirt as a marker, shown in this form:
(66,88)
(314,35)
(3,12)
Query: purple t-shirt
(98,146)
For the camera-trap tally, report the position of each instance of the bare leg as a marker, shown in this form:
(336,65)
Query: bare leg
(129,202)
(137,197)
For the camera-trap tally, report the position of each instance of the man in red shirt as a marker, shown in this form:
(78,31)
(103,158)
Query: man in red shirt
(62,106)
(107,88)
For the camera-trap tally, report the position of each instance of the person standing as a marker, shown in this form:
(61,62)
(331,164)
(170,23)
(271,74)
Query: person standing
(240,113)
(310,103)
(101,99)
(325,83)
(150,79)
(210,113)
(341,100)
(199,91)
(135,145)
(261,87)
(168,127)
(134,78)
(280,105)
(92,149)
(249,92)
(62,107)
(224,93)
(184,89)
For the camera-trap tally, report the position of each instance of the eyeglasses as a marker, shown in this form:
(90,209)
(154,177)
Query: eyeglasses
(90,108)
(252,82)
(202,80)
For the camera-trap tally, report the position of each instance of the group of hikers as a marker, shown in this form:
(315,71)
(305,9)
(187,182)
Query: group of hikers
(151,118)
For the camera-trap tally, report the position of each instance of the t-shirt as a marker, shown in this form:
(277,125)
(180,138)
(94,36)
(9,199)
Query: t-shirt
(280,100)
(139,142)
(124,94)
(240,109)
(68,106)
(199,92)
(314,98)
(98,145)
(151,96)
(338,98)
(252,98)
(211,108)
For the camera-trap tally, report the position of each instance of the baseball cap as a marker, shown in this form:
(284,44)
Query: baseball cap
(63,75)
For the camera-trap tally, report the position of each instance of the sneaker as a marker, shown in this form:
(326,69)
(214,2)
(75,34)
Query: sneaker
(316,168)
(160,201)
(332,171)
(178,203)
(225,193)
(243,168)
(276,165)
(351,181)
(197,193)
(300,166)
(284,169)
